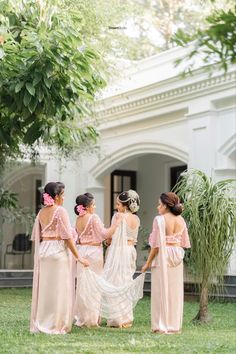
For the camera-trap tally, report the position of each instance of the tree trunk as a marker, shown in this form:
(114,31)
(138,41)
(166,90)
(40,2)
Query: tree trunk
(203,315)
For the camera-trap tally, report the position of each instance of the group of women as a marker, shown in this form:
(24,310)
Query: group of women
(73,284)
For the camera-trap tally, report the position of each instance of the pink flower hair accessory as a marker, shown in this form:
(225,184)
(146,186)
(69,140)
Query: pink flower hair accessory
(47,199)
(81,210)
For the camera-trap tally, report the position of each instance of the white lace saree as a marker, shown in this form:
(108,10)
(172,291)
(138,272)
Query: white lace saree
(114,293)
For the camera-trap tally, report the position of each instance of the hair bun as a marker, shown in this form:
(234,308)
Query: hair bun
(177,209)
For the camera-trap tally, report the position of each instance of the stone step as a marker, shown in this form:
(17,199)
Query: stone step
(5,273)
(16,282)
(16,278)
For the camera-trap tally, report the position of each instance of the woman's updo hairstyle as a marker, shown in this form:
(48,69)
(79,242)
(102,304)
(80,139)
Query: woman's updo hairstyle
(52,189)
(130,199)
(83,199)
(172,201)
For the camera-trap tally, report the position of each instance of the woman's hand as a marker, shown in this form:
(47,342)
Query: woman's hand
(83,261)
(145,267)
(108,241)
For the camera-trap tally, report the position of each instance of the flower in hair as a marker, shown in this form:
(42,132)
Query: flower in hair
(81,210)
(47,199)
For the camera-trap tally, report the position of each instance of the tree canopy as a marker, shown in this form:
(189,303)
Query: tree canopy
(48,77)
(216,43)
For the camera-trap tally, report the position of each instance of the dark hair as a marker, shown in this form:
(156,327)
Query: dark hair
(83,199)
(61,184)
(53,189)
(172,201)
(124,199)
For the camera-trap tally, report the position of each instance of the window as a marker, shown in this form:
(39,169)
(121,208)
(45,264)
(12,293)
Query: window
(121,180)
(175,173)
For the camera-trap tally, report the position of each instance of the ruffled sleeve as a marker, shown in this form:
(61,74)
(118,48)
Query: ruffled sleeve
(154,238)
(100,231)
(185,242)
(64,228)
(36,230)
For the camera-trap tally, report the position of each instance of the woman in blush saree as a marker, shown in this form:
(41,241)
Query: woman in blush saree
(91,233)
(53,286)
(168,239)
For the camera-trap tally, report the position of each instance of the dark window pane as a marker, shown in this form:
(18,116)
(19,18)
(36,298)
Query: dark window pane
(175,174)
(117,187)
(126,183)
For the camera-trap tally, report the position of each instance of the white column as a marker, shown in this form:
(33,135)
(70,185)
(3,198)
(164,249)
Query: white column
(202,142)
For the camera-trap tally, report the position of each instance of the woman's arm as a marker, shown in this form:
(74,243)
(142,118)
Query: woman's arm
(99,228)
(151,256)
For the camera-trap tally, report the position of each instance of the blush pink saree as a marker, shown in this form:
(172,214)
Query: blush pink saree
(53,286)
(167,293)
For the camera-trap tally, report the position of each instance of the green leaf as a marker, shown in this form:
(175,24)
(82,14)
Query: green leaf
(40,94)
(47,82)
(37,78)
(19,86)
(30,88)
(27,98)
(32,105)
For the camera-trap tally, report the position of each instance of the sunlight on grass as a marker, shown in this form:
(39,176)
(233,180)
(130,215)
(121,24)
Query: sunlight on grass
(218,337)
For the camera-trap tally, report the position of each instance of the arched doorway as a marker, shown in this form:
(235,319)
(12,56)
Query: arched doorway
(153,165)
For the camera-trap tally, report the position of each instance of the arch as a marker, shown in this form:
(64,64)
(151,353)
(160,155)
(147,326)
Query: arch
(20,171)
(229,147)
(129,152)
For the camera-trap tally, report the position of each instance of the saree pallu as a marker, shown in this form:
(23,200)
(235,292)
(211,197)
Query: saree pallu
(167,293)
(114,293)
(53,309)
(120,279)
(84,316)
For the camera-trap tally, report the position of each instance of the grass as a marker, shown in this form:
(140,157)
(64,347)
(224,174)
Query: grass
(218,337)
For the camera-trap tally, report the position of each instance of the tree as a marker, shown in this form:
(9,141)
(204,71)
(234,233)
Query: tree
(216,44)
(156,21)
(209,210)
(48,78)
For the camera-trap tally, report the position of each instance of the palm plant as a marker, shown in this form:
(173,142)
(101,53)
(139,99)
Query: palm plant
(209,210)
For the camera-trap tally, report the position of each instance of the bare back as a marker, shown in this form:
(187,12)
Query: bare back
(174,224)
(81,222)
(46,214)
(132,220)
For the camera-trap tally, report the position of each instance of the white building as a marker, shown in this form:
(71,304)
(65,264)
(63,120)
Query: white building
(153,125)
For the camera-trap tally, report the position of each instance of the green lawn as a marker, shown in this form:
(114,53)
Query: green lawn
(219,337)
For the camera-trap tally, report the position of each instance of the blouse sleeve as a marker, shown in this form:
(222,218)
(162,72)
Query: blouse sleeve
(185,242)
(36,230)
(113,219)
(64,228)
(99,229)
(154,238)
